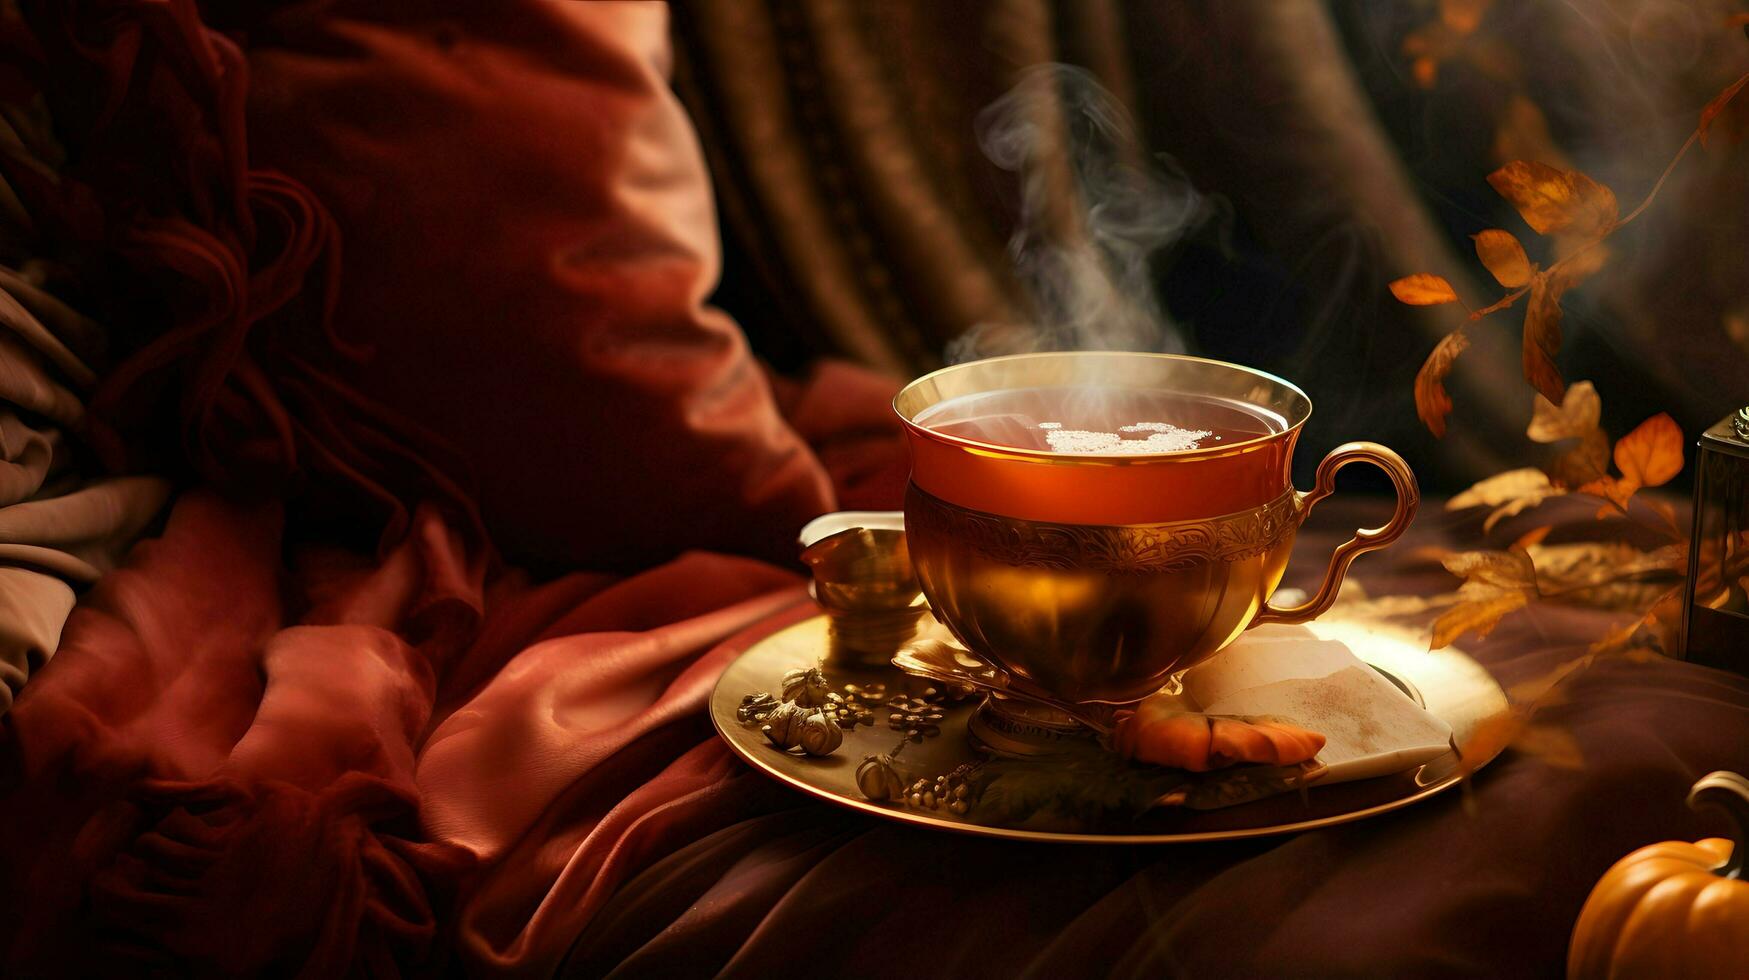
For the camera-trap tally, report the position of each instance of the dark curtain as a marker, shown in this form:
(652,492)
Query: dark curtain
(863,220)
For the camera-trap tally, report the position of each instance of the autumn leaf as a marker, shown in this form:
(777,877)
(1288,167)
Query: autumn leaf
(1665,618)
(1651,455)
(1432,403)
(1584,463)
(1613,489)
(1509,493)
(1553,200)
(1423,289)
(1478,616)
(1542,340)
(1495,583)
(1611,575)
(1504,257)
(1493,569)
(1717,105)
(1574,418)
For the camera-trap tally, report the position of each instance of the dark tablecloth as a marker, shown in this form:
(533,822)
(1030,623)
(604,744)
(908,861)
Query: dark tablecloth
(1483,886)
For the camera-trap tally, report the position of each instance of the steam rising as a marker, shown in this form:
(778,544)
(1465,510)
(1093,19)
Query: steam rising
(1092,214)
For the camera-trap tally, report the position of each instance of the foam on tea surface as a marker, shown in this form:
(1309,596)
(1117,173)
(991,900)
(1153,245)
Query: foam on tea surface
(1097,421)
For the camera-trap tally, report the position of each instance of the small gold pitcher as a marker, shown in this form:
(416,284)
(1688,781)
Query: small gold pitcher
(863,579)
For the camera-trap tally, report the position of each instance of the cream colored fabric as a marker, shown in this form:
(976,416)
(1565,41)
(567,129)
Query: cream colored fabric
(58,532)
(33,607)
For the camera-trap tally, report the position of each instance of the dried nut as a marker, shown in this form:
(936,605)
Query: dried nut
(959,807)
(819,734)
(916,799)
(867,693)
(783,726)
(754,707)
(878,778)
(929,800)
(806,686)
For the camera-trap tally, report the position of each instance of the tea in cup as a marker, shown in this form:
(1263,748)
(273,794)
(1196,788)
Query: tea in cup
(1095,523)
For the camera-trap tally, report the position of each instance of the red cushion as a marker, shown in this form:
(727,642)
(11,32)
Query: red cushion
(527,239)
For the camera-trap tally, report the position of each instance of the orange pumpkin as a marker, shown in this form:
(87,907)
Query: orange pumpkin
(1672,910)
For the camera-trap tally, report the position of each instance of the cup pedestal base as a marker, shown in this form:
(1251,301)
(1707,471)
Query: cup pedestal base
(1022,729)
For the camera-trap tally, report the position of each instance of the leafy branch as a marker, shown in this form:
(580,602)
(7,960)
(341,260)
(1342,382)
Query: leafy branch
(1579,214)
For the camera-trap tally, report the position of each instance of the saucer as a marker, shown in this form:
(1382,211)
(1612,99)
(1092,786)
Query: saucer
(1448,683)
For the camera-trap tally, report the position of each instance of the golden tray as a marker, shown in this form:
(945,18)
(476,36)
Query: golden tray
(1448,683)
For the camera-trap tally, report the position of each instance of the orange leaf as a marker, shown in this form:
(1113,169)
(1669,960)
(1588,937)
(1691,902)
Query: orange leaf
(1717,105)
(1423,289)
(1478,616)
(1551,199)
(1651,455)
(1493,569)
(1620,491)
(1542,340)
(1665,619)
(1501,252)
(1432,403)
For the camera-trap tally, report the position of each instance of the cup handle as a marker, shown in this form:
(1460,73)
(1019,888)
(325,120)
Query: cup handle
(1364,540)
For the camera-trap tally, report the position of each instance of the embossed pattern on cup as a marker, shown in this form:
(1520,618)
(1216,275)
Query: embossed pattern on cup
(1097,612)
(1096,577)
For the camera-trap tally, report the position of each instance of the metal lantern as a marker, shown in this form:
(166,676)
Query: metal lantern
(1715,615)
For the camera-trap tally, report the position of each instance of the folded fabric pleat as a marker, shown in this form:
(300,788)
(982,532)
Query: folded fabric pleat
(26,455)
(33,606)
(80,535)
(233,767)
(57,529)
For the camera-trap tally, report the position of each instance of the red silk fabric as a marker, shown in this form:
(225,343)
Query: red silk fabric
(529,237)
(235,766)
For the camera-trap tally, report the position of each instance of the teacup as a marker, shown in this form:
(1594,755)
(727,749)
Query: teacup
(1098,576)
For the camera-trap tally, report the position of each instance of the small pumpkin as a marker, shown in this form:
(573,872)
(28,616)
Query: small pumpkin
(806,686)
(1159,733)
(1672,909)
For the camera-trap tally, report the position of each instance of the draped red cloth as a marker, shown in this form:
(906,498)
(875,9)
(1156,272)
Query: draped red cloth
(240,763)
(452,296)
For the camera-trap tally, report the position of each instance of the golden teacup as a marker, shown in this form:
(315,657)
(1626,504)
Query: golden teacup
(1097,563)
